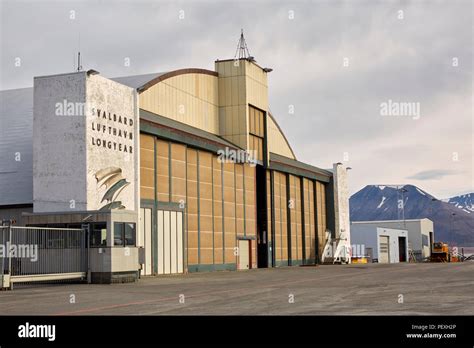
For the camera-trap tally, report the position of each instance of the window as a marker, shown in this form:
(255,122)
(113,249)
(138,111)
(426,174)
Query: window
(124,234)
(130,234)
(256,122)
(98,231)
(256,132)
(424,240)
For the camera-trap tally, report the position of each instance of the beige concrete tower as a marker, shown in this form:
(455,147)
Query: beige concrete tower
(241,83)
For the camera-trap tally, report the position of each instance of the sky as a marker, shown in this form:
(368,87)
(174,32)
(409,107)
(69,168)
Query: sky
(338,66)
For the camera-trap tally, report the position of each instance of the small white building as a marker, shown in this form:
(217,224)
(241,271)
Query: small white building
(383,245)
(420,233)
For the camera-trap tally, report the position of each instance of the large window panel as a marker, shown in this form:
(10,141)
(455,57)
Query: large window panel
(309,219)
(162,170)
(192,206)
(321,214)
(239,199)
(218,220)
(269,208)
(293,206)
(205,208)
(147,167)
(256,132)
(277,210)
(229,212)
(312,228)
(251,208)
(299,225)
(283,214)
(178,173)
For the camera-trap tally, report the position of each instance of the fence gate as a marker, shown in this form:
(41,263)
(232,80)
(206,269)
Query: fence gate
(35,254)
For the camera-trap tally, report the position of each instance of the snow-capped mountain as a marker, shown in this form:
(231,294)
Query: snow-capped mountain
(464,202)
(381,202)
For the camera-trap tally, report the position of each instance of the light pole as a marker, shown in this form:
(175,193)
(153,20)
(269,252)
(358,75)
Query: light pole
(403,190)
(432,202)
(451,227)
(432,217)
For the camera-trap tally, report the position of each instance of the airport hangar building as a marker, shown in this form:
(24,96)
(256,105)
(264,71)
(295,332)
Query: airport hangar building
(174,172)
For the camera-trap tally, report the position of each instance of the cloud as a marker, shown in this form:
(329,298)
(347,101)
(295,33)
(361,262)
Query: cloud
(434,174)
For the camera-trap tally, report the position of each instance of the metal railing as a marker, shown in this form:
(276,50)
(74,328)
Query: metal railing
(43,254)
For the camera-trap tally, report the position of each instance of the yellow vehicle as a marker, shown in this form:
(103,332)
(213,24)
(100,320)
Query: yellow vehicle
(359,259)
(440,252)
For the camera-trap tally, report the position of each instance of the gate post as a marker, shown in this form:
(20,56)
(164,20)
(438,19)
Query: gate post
(86,229)
(9,248)
(6,238)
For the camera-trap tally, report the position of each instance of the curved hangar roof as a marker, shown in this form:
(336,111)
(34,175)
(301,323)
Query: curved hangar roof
(145,81)
(137,81)
(285,160)
(276,136)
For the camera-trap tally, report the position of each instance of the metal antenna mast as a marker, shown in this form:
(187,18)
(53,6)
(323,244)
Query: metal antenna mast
(242,49)
(79,65)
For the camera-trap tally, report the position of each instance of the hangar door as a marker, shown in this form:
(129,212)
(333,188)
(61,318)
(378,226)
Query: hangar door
(384,253)
(170,256)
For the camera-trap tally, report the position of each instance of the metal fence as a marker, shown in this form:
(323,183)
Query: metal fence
(43,254)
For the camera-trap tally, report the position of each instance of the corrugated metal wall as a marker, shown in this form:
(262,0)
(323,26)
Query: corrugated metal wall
(192,206)
(219,198)
(250,212)
(190,98)
(221,205)
(321,215)
(299,206)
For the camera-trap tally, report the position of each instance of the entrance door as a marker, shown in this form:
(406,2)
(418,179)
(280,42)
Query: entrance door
(370,254)
(244,254)
(431,241)
(402,249)
(170,242)
(144,239)
(262,228)
(384,249)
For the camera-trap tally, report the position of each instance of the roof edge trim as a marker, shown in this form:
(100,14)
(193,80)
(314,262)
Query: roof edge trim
(175,73)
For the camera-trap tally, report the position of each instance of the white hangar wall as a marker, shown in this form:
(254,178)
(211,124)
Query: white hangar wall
(59,155)
(85,143)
